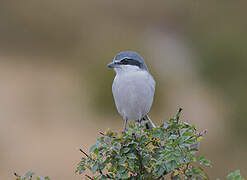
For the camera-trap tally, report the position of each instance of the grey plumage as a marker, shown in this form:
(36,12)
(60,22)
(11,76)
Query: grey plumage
(133,87)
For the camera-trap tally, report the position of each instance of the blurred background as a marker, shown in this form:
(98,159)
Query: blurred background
(55,88)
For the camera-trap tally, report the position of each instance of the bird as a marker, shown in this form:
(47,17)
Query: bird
(133,88)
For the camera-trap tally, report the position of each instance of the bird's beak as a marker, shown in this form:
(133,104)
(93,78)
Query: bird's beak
(111,65)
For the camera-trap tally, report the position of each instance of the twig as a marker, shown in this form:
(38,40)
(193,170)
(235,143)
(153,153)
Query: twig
(89,177)
(15,174)
(99,170)
(104,175)
(176,118)
(147,143)
(185,169)
(203,133)
(84,153)
(103,134)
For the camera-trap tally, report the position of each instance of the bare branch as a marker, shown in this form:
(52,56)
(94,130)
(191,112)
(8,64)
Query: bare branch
(89,177)
(15,174)
(84,153)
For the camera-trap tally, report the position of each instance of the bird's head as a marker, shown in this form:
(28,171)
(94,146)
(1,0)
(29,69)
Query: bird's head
(128,61)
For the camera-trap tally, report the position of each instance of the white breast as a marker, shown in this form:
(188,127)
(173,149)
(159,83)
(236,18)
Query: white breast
(133,93)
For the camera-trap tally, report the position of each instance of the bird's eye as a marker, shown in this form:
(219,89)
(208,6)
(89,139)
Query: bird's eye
(124,61)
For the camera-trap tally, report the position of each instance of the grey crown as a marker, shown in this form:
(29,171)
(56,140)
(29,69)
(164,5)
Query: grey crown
(132,58)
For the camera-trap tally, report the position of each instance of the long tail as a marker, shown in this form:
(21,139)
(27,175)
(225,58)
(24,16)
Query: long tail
(148,122)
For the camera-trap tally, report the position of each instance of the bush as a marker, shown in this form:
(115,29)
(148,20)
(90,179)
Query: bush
(29,176)
(169,151)
(140,153)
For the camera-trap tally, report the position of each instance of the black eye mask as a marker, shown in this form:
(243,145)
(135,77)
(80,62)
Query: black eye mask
(127,61)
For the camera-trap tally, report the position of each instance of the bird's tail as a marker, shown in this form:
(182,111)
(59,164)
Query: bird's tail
(148,122)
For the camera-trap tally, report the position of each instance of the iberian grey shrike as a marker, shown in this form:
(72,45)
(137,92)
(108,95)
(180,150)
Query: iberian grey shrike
(133,88)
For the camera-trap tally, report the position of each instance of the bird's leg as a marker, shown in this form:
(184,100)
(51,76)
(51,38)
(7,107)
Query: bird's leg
(149,123)
(125,124)
(139,122)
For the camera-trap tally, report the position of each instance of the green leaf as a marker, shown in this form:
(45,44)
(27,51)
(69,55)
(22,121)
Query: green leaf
(125,150)
(131,156)
(202,160)
(161,171)
(125,175)
(94,168)
(173,137)
(235,175)
(29,174)
(131,164)
(93,147)
(122,159)
(121,169)
(173,165)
